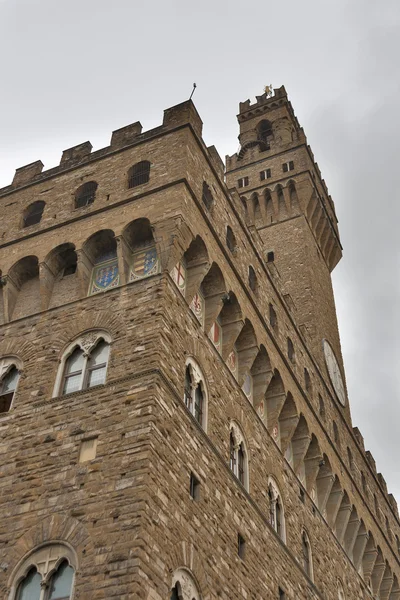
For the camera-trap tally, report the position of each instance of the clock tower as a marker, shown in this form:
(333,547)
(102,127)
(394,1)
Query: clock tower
(289,210)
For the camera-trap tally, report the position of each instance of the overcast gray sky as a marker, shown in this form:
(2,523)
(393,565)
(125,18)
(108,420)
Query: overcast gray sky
(74,71)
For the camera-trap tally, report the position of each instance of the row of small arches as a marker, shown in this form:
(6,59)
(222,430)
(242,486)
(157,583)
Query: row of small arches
(301,450)
(271,205)
(219,313)
(138,174)
(29,287)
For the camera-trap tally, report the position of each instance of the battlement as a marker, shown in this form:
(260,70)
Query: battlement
(265,103)
(174,117)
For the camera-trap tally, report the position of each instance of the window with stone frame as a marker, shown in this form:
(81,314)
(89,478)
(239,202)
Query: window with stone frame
(207,197)
(276,511)
(306,555)
(195,392)
(84,363)
(238,459)
(184,586)
(48,573)
(9,377)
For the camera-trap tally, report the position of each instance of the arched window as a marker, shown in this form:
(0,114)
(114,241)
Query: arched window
(238,460)
(290,350)
(306,555)
(336,433)
(184,586)
(264,131)
(321,407)
(253,284)
(273,319)
(230,239)
(307,381)
(207,196)
(276,513)
(33,214)
(350,458)
(195,392)
(139,174)
(46,574)
(9,376)
(100,255)
(84,364)
(86,194)
(143,258)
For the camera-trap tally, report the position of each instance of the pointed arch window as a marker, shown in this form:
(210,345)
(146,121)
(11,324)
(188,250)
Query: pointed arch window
(47,574)
(207,196)
(238,460)
(230,239)
(276,513)
(195,392)
(139,174)
(9,377)
(84,364)
(306,555)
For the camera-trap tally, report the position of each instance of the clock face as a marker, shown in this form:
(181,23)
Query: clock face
(334,372)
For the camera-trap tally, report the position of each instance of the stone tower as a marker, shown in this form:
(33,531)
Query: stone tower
(174,422)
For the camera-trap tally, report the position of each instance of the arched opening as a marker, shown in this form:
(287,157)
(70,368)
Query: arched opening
(189,272)
(33,214)
(231,321)
(9,377)
(230,240)
(214,293)
(23,288)
(207,196)
(253,283)
(62,283)
(261,372)
(256,209)
(264,133)
(100,262)
(269,207)
(282,208)
(139,174)
(294,202)
(140,252)
(272,405)
(85,194)
(238,458)
(195,392)
(276,509)
(306,554)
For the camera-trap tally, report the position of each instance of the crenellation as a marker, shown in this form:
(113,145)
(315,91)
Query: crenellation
(27,173)
(125,135)
(76,154)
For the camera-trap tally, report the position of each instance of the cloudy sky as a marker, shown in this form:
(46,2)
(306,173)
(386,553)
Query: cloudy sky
(74,71)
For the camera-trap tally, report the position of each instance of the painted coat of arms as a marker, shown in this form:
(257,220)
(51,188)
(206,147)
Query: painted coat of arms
(105,275)
(145,263)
